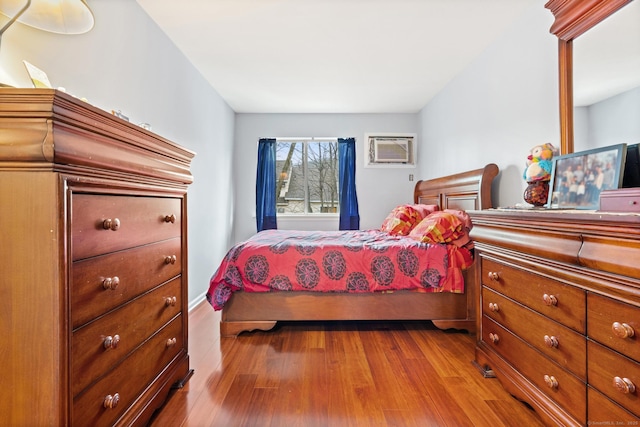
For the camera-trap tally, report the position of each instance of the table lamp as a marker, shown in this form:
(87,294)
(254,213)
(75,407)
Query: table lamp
(56,16)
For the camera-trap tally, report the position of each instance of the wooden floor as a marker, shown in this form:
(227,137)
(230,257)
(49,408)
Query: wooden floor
(337,374)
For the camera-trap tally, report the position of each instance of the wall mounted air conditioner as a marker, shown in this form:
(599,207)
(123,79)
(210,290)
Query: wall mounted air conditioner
(390,150)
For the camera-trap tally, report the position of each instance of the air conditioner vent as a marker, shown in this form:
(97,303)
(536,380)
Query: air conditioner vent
(391,150)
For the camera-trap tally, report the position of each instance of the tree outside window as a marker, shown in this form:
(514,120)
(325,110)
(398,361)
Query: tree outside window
(307,176)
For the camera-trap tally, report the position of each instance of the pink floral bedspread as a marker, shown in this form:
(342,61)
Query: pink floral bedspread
(337,261)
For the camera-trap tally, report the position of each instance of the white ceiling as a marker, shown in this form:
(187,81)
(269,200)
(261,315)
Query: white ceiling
(362,56)
(332,56)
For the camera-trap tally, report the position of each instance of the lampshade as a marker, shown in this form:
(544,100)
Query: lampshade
(56,16)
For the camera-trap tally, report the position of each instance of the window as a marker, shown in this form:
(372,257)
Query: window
(307,176)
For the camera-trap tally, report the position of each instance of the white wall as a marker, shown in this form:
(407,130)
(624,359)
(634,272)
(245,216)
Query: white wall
(503,104)
(127,63)
(379,190)
(611,121)
(499,107)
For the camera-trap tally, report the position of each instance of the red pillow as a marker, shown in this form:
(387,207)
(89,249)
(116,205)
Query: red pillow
(401,220)
(425,210)
(439,227)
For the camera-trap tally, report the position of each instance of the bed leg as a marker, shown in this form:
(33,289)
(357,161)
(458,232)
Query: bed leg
(232,329)
(467,325)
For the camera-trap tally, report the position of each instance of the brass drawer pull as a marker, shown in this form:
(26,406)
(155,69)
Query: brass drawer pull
(493,276)
(550,300)
(111,224)
(111,283)
(170,218)
(624,385)
(494,338)
(493,306)
(551,381)
(171,342)
(622,330)
(170,301)
(551,341)
(110,402)
(170,259)
(111,342)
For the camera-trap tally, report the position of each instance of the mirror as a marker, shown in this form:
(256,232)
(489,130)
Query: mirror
(572,19)
(606,82)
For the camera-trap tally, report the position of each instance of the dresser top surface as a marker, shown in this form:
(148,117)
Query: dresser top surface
(46,128)
(559,215)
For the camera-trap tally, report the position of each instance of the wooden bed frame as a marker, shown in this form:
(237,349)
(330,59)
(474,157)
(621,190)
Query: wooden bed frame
(471,190)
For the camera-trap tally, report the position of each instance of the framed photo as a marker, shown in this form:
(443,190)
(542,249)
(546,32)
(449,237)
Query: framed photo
(631,174)
(578,178)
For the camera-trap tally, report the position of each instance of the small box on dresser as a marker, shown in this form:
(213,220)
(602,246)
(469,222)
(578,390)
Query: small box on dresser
(559,311)
(94,289)
(620,200)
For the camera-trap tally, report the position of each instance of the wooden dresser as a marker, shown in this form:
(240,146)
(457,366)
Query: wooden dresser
(559,311)
(93,286)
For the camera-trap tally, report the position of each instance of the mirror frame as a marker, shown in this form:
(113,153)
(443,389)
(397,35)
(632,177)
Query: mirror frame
(573,18)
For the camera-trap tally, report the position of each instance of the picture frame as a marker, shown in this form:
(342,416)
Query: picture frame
(578,178)
(631,174)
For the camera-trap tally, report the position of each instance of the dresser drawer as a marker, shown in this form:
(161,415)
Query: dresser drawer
(102,283)
(563,345)
(609,371)
(614,324)
(128,379)
(93,349)
(101,224)
(602,411)
(567,390)
(558,301)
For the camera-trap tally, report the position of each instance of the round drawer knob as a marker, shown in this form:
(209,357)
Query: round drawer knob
(111,342)
(111,224)
(171,342)
(551,341)
(111,283)
(549,300)
(494,338)
(170,218)
(493,276)
(622,330)
(624,385)
(110,402)
(551,381)
(170,301)
(170,259)
(493,306)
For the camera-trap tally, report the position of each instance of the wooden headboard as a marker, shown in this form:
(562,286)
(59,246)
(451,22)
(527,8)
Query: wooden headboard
(465,191)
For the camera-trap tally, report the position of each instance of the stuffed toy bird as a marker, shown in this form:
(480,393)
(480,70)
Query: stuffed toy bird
(539,163)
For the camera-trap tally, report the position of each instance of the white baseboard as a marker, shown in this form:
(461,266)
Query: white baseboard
(197,301)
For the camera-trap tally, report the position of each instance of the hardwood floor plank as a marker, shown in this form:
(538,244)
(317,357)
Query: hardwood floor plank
(387,366)
(322,374)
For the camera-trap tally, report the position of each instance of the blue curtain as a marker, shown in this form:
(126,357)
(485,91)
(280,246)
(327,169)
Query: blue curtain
(266,185)
(349,215)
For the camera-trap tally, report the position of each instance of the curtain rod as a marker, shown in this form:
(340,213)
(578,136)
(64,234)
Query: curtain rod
(308,138)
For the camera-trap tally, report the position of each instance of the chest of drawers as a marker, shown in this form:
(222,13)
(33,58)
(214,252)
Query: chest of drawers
(94,289)
(558,311)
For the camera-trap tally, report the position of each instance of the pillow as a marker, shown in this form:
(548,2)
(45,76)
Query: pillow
(438,227)
(425,210)
(462,216)
(401,220)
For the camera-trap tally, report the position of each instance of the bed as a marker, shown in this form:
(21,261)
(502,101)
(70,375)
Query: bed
(252,310)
